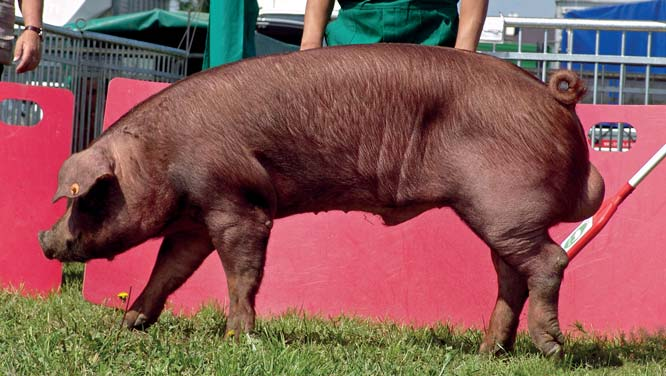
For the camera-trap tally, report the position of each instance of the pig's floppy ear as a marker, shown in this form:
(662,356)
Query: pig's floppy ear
(81,171)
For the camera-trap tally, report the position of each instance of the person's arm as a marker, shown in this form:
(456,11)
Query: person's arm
(472,17)
(28,44)
(317,15)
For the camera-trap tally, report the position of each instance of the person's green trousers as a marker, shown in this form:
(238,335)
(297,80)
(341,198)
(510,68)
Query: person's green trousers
(230,31)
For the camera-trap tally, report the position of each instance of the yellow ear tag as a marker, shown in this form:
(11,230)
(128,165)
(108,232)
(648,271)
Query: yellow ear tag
(74,189)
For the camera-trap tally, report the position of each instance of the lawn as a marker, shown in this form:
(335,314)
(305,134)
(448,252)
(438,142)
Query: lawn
(64,335)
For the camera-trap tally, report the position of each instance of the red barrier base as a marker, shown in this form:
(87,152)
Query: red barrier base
(432,268)
(31,157)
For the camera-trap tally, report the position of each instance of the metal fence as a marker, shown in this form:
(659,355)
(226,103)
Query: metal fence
(607,75)
(84,63)
(131,6)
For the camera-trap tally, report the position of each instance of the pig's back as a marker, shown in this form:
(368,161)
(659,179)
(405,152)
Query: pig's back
(353,97)
(382,123)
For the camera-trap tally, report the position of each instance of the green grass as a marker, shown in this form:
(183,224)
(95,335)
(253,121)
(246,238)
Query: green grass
(63,335)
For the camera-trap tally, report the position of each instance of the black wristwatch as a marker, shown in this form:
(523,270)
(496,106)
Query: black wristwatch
(37,30)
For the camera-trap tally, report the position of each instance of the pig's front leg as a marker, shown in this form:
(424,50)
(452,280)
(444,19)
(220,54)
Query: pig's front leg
(179,256)
(511,296)
(240,236)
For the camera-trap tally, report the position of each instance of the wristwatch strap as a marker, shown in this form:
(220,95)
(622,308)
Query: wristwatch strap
(37,30)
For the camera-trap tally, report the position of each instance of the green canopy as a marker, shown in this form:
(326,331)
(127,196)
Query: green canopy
(142,21)
(233,29)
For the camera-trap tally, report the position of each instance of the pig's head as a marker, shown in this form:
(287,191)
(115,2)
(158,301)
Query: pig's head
(97,223)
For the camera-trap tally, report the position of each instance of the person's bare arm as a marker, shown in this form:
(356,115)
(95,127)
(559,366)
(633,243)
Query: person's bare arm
(28,44)
(317,15)
(472,17)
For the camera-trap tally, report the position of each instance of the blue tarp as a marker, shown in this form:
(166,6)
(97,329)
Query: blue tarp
(610,42)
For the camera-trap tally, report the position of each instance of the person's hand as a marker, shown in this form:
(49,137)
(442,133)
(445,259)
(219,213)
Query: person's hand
(28,51)
(309,45)
(316,17)
(467,44)
(472,17)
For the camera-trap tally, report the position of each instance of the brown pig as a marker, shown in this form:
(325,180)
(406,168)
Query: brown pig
(394,130)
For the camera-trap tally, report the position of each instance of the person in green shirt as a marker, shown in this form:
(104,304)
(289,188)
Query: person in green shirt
(429,22)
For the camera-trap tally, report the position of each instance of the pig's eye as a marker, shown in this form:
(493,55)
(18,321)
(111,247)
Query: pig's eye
(95,201)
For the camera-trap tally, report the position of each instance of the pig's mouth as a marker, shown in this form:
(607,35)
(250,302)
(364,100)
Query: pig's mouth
(64,257)
(70,250)
(62,251)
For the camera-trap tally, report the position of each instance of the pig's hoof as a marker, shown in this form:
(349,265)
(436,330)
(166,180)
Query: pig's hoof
(552,345)
(230,334)
(136,320)
(553,350)
(238,325)
(237,329)
(494,349)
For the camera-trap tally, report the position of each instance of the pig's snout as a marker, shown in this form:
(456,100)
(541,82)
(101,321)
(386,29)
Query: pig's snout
(55,246)
(45,243)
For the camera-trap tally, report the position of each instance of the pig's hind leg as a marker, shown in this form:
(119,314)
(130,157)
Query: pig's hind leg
(543,268)
(515,227)
(179,256)
(240,234)
(511,296)
(537,263)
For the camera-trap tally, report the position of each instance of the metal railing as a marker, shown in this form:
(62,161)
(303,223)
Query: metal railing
(85,62)
(606,74)
(131,6)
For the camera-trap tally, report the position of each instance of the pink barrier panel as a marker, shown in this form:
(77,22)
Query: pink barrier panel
(617,282)
(31,157)
(432,268)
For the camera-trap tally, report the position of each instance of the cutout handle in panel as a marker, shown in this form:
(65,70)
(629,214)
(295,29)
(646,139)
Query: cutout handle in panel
(612,136)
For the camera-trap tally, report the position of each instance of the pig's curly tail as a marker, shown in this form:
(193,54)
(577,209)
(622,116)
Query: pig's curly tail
(570,93)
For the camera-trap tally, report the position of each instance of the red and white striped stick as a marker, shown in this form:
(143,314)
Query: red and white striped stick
(590,227)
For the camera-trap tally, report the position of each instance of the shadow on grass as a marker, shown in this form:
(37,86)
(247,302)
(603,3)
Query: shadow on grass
(72,274)
(592,354)
(596,351)
(582,350)
(298,328)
